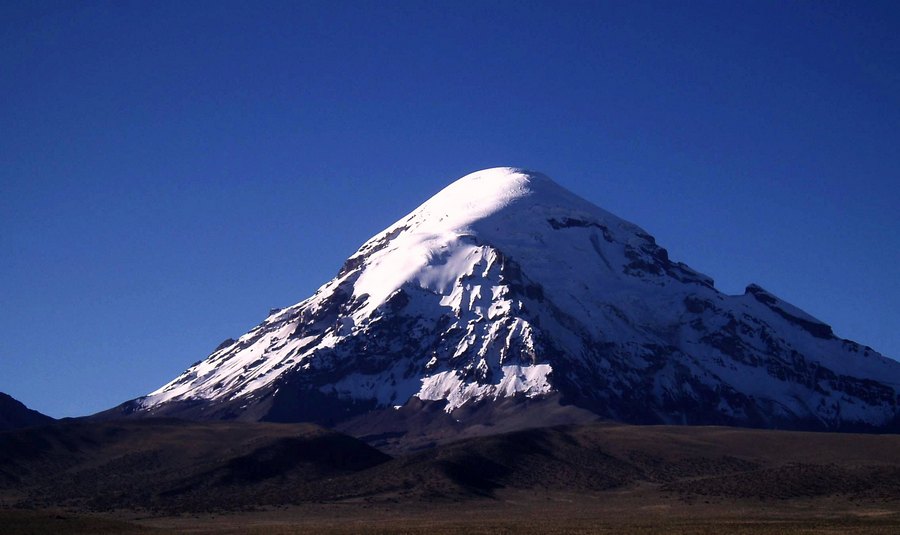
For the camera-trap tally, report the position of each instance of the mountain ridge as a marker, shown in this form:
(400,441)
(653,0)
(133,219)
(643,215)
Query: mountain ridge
(15,415)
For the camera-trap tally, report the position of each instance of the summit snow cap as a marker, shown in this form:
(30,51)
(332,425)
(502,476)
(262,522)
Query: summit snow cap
(514,210)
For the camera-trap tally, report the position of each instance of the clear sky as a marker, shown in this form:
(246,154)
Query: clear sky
(169,170)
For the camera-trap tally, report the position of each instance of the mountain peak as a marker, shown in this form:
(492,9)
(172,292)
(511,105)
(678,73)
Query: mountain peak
(502,176)
(484,194)
(496,183)
(543,227)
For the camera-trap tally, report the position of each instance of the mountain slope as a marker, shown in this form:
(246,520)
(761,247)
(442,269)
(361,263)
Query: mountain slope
(506,286)
(167,463)
(14,414)
(179,466)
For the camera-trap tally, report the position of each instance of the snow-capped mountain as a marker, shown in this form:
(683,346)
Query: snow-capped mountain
(507,287)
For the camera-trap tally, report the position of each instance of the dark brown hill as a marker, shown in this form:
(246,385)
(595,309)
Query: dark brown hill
(15,415)
(172,465)
(727,463)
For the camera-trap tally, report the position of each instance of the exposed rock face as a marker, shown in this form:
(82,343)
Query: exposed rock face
(506,286)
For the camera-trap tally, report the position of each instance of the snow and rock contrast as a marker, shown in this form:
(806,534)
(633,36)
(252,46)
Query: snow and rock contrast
(506,286)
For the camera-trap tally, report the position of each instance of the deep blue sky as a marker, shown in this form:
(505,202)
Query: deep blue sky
(171,170)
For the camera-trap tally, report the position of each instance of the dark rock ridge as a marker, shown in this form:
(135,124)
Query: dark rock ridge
(15,415)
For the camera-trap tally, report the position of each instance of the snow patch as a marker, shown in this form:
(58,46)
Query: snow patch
(532,381)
